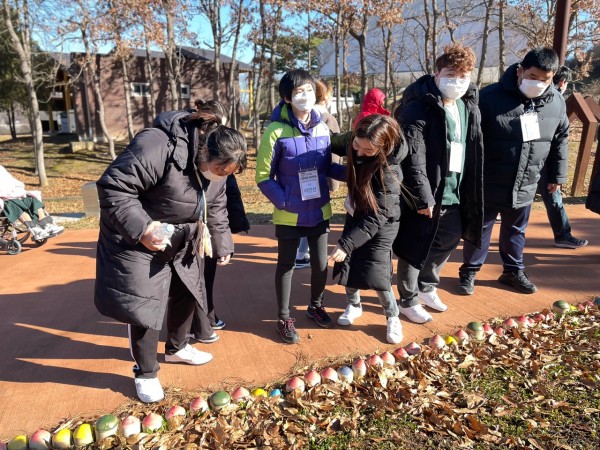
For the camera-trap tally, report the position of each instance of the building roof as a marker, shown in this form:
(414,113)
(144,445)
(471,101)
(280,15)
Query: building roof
(195,53)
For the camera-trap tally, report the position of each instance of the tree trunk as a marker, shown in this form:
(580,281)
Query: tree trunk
(170,55)
(501,41)
(449,26)
(259,74)
(338,78)
(150,75)
(427,42)
(127,90)
(11,121)
(362,51)
(22,46)
(233,116)
(387,43)
(434,34)
(484,40)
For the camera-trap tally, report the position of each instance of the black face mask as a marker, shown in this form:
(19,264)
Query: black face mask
(362,159)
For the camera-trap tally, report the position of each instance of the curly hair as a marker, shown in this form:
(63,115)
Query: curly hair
(458,57)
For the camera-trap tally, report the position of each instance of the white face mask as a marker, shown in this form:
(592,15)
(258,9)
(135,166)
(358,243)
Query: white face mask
(304,101)
(453,88)
(532,88)
(210,176)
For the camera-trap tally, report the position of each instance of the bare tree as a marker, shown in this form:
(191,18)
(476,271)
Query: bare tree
(239,11)
(172,55)
(211,9)
(21,42)
(489,4)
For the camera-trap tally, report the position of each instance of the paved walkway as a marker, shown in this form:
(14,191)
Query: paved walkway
(60,358)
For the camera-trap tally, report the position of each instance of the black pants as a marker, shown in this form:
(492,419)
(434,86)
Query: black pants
(204,320)
(144,342)
(286,259)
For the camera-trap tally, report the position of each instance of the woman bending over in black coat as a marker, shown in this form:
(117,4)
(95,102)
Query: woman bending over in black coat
(363,255)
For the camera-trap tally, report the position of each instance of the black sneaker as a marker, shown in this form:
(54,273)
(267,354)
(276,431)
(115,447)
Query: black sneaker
(466,284)
(287,331)
(519,281)
(570,242)
(319,315)
(219,325)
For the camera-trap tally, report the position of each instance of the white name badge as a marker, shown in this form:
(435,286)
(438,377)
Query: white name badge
(309,184)
(530,126)
(456,157)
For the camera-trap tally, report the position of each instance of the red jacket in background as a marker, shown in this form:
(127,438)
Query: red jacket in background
(372,104)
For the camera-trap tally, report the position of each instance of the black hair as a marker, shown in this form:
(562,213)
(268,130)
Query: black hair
(293,79)
(226,146)
(562,74)
(543,58)
(212,106)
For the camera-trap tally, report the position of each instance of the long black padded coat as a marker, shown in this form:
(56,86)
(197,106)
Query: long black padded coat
(153,179)
(423,120)
(512,167)
(367,238)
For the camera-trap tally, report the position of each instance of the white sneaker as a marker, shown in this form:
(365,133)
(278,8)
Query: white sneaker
(149,390)
(350,315)
(394,330)
(416,314)
(433,300)
(189,355)
(53,230)
(39,233)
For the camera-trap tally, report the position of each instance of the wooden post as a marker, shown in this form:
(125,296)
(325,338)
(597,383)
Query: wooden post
(577,107)
(561,28)
(595,108)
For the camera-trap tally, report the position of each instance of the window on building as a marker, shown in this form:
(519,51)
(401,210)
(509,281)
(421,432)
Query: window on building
(186,92)
(140,89)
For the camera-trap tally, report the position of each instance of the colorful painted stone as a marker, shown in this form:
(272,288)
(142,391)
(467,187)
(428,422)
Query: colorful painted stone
(400,353)
(2,445)
(83,435)
(240,394)
(388,359)
(62,439)
(539,317)
(561,307)
(294,384)
(312,378)
(329,374)
(345,374)
(374,361)
(475,329)
(413,348)
(40,440)
(500,331)
(462,335)
(259,392)
(523,322)
(487,329)
(451,340)
(199,404)
(436,341)
(106,426)
(175,410)
(275,393)
(359,368)
(597,301)
(152,422)
(219,400)
(17,443)
(510,323)
(131,425)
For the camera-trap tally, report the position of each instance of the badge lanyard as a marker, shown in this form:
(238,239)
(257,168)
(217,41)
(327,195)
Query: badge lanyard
(530,124)
(456,146)
(203,235)
(308,178)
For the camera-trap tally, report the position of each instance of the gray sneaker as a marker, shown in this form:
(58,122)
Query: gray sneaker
(570,242)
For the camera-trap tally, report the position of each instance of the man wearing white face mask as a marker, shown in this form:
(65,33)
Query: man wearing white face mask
(443,174)
(525,128)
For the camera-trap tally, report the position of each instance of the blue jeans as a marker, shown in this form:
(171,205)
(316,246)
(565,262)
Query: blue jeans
(386,298)
(512,240)
(557,216)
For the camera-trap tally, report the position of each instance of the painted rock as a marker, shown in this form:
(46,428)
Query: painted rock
(17,443)
(500,331)
(240,394)
(199,404)
(475,329)
(131,425)
(597,301)
(539,317)
(450,340)
(106,426)
(487,329)
(62,439)
(219,400)
(275,393)
(374,361)
(400,353)
(294,384)
(436,341)
(152,422)
(175,410)
(40,440)
(329,374)
(413,348)
(2,445)
(388,359)
(462,335)
(359,368)
(312,378)
(259,392)
(560,307)
(510,323)
(83,435)
(549,315)
(345,374)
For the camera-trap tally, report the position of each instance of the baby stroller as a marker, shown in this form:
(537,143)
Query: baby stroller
(12,235)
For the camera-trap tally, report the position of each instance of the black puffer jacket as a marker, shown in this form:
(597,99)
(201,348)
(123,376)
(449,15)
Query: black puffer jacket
(593,198)
(367,238)
(236,213)
(153,179)
(512,167)
(422,118)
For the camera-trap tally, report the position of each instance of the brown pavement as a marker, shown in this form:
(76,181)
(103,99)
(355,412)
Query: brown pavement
(60,358)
